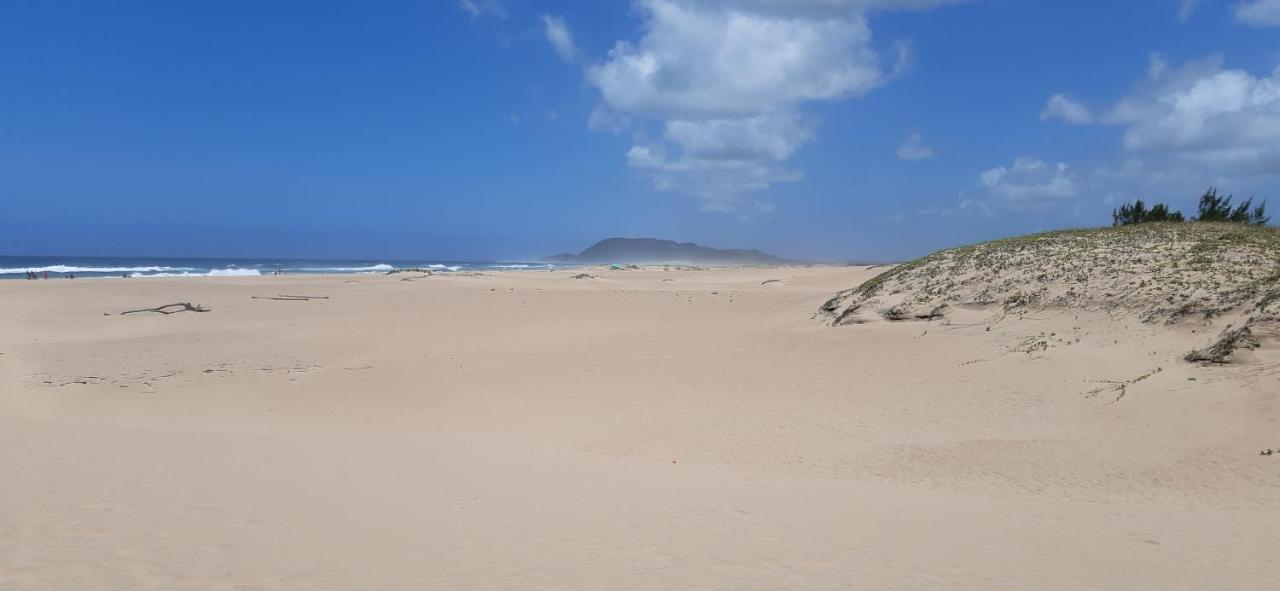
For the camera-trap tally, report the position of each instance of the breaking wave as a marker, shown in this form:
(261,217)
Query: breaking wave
(74,269)
(380,267)
(212,273)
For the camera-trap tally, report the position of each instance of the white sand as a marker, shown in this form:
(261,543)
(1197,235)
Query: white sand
(526,430)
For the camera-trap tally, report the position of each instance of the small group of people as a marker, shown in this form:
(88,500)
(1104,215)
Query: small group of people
(45,275)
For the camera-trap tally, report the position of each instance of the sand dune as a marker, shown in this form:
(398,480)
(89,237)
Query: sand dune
(646,429)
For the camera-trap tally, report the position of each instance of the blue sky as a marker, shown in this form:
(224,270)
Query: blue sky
(496,129)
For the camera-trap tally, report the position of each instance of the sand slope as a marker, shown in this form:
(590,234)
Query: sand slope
(643,429)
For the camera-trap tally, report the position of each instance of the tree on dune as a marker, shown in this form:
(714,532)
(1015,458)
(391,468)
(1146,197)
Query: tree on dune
(1213,208)
(1137,213)
(1216,208)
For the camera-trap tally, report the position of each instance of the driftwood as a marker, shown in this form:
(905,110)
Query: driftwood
(410,270)
(290,298)
(1222,350)
(169,309)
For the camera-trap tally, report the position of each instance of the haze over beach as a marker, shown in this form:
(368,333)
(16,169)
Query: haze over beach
(665,294)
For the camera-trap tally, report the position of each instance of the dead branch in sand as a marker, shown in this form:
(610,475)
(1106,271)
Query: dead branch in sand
(169,309)
(1222,350)
(411,270)
(1120,386)
(290,298)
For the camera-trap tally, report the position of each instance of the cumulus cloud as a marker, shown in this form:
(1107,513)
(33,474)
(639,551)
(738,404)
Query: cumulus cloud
(726,82)
(1222,119)
(695,61)
(1030,181)
(1062,107)
(1184,128)
(1259,13)
(479,8)
(914,149)
(559,37)
(712,166)
(1028,185)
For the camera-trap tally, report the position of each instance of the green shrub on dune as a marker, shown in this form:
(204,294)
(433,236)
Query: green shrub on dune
(1213,208)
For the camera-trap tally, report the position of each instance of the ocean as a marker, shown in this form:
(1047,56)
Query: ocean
(12,267)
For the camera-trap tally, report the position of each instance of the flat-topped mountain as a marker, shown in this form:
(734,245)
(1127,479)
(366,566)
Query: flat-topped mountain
(651,250)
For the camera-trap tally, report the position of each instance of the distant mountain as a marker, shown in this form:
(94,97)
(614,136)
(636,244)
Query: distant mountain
(650,250)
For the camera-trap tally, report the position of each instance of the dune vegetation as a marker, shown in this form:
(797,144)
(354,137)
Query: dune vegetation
(1216,274)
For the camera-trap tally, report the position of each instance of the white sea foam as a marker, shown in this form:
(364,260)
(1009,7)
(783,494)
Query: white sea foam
(70,269)
(166,271)
(521,266)
(234,272)
(213,273)
(370,269)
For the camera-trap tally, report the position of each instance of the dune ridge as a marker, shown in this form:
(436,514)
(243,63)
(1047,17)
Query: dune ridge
(1223,277)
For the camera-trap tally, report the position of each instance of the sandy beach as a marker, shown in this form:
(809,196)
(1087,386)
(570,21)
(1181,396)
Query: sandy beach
(636,429)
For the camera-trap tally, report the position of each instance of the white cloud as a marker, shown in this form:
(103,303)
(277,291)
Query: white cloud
(559,37)
(1259,13)
(966,206)
(914,149)
(1062,107)
(773,136)
(696,61)
(823,8)
(721,182)
(1223,120)
(479,8)
(1185,128)
(904,50)
(1186,9)
(1030,182)
(1156,66)
(1029,185)
(726,81)
(603,118)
